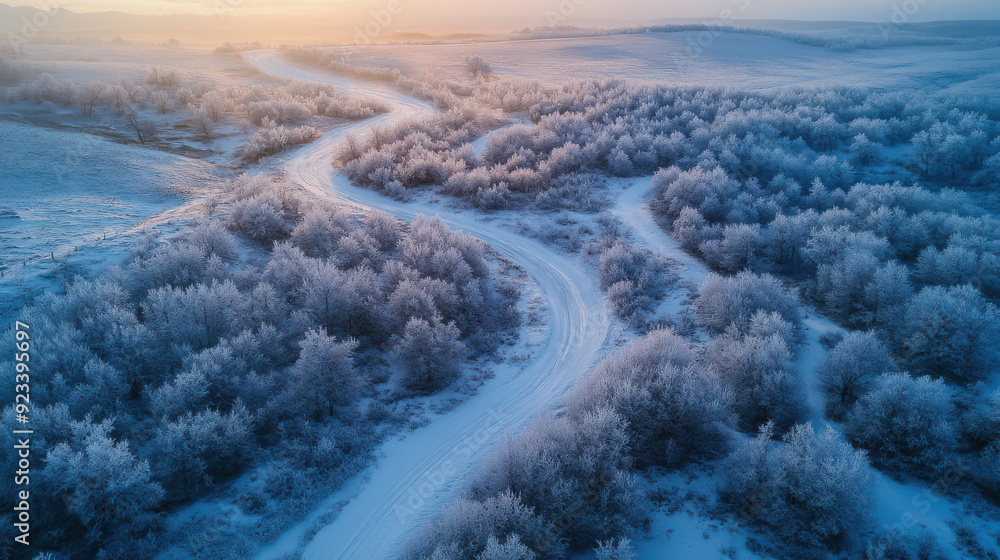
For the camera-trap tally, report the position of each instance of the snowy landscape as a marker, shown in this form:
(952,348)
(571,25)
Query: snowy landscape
(707,288)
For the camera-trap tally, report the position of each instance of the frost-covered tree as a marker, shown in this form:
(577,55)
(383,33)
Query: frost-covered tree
(831,245)
(319,231)
(736,250)
(690,229)
(906,422)
(734,300)
(610,550)
(197,316)
(324,375)
(213,239)
(197,449)
(161,101)
(842,285)
(358,249)
(699,188)
(765,324)
(952,265)
(467,527)
(677,409)
(887,294)
(200,120)
(431,352)
(101,393)
(261,218)
(477,66)
(188,391)
(102,484)
(89,96)
(787,236)
(850,369)
(511,549)
(573,472)
(760,374)
(811,489)
(384,228)
(863,151)
(950,331)
(145,130)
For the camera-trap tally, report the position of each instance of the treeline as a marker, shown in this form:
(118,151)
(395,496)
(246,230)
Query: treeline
(253,343)
(912,270)
(840,41)
(282,112)
(615,128)
(916,265)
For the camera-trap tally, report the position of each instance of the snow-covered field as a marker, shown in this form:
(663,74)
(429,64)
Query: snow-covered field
(64,193)
(728,60)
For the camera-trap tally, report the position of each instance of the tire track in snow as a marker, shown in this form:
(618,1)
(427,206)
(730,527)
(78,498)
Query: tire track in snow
(417,476)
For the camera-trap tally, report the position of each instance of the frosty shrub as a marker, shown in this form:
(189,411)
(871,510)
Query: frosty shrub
(212,238)
(324,375)
(196,317)
(760,374)
(320,230)
(470,527)
(511,549)
(676,409)
(570,475)
(850,369)
(270,140)
(906,423)
(633,278)
(101,481)
(609,550)
(811,489)
(981,438)
(198,448)
(736,250)
(950,331)
(724,301)
(431,352)
(261,218)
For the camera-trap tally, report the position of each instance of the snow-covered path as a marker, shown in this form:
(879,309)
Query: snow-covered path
(416,476)
(633,209)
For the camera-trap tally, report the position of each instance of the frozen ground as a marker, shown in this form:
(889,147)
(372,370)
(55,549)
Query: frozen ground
(70,195)
(728,60)
(131,62)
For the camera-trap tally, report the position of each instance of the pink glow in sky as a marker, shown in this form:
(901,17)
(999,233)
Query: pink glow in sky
(534,11)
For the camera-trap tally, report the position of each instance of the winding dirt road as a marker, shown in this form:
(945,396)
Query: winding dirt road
(417,476)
